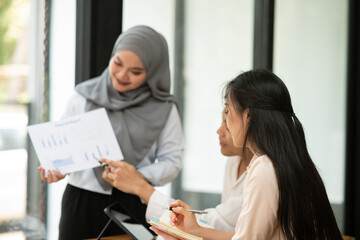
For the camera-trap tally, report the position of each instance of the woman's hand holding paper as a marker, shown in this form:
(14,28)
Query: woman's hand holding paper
(52,175)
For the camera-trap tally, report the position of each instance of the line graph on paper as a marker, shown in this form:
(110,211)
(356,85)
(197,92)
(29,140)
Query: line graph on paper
(75,143)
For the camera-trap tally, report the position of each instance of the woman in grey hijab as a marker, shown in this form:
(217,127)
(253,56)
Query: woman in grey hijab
(135,91)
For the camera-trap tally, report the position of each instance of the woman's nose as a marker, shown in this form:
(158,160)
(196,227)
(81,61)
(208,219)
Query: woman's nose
(219,131)
(122,75)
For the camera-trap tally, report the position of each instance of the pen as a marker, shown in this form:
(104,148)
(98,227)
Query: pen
(102,164)
(193,211)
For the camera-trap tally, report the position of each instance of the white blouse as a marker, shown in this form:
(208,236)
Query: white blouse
(224,216)
(258,218)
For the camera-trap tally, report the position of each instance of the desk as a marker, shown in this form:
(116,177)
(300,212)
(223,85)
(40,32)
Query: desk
(348,238)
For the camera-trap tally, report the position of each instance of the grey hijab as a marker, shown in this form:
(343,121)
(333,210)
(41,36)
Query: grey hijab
(137,116)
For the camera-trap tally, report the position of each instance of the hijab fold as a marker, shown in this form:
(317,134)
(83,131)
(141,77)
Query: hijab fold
(137,116)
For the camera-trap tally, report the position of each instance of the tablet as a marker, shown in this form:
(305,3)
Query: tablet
(135,230)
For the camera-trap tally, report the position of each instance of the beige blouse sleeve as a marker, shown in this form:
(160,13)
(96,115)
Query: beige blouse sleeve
(258,218)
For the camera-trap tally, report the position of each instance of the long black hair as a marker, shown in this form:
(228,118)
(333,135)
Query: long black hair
(304,210)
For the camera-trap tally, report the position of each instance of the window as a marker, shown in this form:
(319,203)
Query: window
(217,40)
(218,46)
(14,99)
(310,56)
(62,82)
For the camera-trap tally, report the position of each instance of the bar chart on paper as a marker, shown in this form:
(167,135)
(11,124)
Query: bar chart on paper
(75,143)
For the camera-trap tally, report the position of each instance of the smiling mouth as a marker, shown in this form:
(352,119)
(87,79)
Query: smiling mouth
(122,83)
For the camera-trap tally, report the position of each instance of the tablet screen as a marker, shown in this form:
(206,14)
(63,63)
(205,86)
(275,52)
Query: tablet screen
(135,230)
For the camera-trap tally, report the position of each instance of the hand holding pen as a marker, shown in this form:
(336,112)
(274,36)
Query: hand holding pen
(103,165)
(183,217)
(122,175)
(192,211)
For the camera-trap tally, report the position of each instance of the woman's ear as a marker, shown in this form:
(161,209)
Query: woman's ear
(247,116)
(247,113)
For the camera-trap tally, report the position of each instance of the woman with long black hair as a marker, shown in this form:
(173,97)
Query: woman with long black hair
(284,195)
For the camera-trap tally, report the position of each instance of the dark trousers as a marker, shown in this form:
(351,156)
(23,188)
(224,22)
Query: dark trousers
(82,212)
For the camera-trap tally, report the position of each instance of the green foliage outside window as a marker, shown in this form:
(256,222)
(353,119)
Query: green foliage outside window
(11,25)
(7,45)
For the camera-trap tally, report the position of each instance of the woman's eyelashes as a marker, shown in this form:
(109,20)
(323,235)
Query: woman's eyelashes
(135,72)
(117,63)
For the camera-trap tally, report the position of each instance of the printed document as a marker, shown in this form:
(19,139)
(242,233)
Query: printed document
(75,143)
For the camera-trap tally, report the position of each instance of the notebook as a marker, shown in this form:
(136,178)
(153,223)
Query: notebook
(164,225)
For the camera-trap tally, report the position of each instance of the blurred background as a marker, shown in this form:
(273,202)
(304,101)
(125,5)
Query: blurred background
(48,46)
